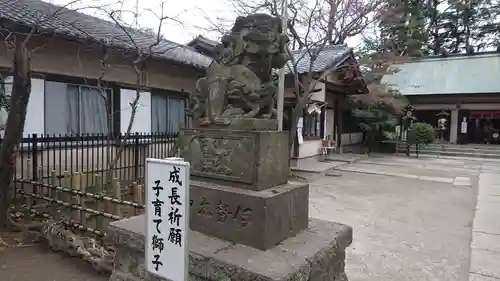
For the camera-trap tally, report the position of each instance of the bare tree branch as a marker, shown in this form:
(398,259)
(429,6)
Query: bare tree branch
(21,89)
(141,55)
(313,25)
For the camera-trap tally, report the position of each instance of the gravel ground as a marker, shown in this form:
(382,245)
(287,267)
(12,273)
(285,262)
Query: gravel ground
(404,229)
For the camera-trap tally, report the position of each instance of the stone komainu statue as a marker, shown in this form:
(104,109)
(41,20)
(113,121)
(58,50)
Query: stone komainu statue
(239,83)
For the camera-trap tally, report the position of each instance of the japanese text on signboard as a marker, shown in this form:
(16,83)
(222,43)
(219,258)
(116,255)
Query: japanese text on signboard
(167,216)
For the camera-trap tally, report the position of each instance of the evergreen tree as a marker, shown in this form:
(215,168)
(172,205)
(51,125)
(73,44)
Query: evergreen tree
(468,25)
(487,33)
(404,27)
(421,27)
(433,14)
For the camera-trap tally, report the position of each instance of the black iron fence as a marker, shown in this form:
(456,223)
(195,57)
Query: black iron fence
(87,180)
(122,157)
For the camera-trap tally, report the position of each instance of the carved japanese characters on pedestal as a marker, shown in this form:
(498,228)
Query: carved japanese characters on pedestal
(240,82)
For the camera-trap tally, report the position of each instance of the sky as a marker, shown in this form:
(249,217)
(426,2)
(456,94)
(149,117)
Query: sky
(190,17)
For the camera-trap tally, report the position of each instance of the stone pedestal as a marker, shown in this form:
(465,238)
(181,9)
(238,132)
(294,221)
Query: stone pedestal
(247,221)
(259,219)
(240,190)
(253,160)
(315,254)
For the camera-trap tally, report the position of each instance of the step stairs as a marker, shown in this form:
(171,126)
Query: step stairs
(489,151)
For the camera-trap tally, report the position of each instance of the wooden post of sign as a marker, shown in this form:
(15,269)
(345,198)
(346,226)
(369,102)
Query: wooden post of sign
(172,174)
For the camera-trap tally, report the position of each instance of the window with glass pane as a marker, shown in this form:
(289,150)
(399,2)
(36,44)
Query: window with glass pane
(168,113)
(74,109)
(311,128)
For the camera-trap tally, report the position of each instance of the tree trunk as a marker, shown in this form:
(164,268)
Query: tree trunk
(21,89)
(331,21)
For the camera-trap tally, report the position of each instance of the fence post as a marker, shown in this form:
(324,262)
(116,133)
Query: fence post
(31,187)
(136,156)
(75,199)
(137,196)
(34,166)
(83,188)
(34,157)
(66,182)
(118,195)
(100,204)
(54,193)
(41,189)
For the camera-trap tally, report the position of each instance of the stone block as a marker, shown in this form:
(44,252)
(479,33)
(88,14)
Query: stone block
(485,241)
(253,160)
(315,254)
(479,277)
(260,219)
(485,262)
(245,124)
(486,221)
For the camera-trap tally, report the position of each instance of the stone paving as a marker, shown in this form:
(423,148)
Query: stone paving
(404,228)
(368,196)
(485,247)
(404,172)
(312,165)
(413,219)
(484,256)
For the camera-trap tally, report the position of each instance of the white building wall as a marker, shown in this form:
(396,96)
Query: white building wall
(321,94)
(309,148)
(329,121)
(142,121)
(3,112)
(35,115)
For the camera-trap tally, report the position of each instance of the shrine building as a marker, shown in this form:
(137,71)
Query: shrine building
(456,86)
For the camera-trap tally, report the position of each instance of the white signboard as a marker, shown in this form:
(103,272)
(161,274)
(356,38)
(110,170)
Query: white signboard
(300,125)
(300,122)
(167,215)
(300,138)
(463,128)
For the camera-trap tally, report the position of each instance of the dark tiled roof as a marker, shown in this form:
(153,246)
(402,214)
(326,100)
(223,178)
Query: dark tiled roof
(73,24)
(203,40)
(328,57)
(204,46)
(452,75)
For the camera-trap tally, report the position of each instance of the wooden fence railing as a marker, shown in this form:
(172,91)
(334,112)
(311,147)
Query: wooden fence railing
(80,203)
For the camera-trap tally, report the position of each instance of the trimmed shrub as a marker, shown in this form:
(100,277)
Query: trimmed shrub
(423,133)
